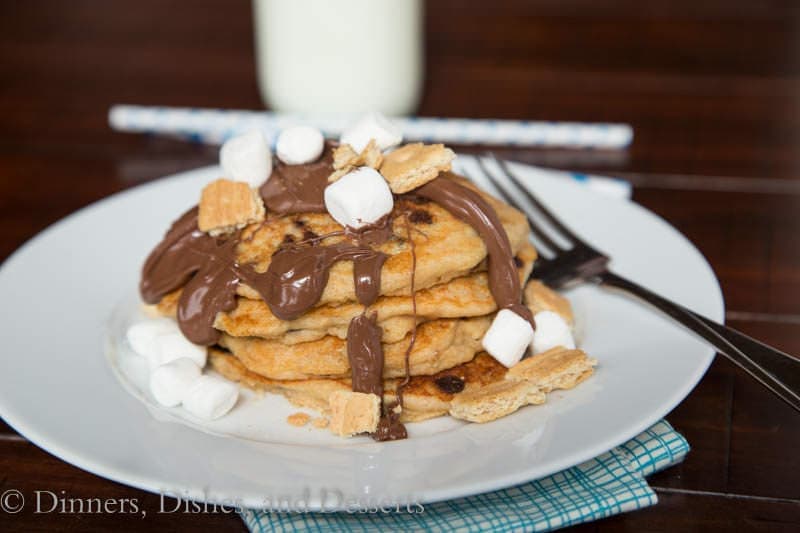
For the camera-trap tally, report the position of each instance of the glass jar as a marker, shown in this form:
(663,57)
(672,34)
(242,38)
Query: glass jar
(342,57)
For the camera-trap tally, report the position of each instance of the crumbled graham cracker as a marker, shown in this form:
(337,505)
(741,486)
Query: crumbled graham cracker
(298,419)
(527,382)
(414,165)
(345,159)
(353,412)
(557,368)
(226,206)
(484,404)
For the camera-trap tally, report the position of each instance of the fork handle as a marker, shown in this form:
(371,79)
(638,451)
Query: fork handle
(777,371)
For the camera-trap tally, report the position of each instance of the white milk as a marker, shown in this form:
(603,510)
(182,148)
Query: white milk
(339,56)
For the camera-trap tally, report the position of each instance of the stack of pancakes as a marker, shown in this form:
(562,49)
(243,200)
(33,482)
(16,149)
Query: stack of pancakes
(306,359)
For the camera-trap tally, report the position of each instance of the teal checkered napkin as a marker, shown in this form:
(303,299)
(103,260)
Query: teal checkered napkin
(609,484)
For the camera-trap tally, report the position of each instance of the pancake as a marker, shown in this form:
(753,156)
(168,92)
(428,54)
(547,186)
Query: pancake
(440,344)
(445,247)
(466,296)
(539,297)
(479,390)
(430,341)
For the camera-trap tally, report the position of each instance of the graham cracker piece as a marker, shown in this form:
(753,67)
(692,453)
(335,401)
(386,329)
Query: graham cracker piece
(353,412)
(345,159)
(414,165)
(525,383)
(557,368)
(496,400)
(298,419)
(226,206)
(540,297)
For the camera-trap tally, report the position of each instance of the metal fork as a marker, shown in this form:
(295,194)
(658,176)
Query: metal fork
(580,262)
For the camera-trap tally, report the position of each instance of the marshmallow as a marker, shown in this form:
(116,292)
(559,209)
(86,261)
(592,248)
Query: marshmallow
(246,158)
(142,336)
(172,346)
(372,126)
(299,144)
(171,382)
(551,331)
(359,198)
(210,397)
(508,337)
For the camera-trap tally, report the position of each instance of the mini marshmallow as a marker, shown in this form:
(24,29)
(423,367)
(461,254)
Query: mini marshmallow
(551,331)
(372,126)
(172,346)
(299,144)
(508,337)
(142,335)
(246,157)
(210,397)
(359,198)
(171,382)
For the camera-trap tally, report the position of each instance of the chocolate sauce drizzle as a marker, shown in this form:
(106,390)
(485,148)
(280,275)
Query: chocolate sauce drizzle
(470,207)
(181,253)
(208,271)
(298,274)
(365,352)
(299,188)
(389,425)
(212,290)
(204,266)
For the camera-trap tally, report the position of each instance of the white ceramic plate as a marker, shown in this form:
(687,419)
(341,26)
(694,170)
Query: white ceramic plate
(58,294)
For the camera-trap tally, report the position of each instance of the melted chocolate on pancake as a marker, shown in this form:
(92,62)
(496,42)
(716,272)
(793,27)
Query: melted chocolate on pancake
(365,353)
(470,207)
(297,275)
(204,266)
(181,253)
(299,188)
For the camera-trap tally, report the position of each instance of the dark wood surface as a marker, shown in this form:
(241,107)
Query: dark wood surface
(711,88)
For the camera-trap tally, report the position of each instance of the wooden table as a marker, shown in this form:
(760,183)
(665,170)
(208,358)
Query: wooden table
(711,88)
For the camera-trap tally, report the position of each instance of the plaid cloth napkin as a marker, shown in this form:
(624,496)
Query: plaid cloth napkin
(606,485)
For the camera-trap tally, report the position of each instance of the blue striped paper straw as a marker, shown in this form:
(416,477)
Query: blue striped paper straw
(614,187)
(214,126)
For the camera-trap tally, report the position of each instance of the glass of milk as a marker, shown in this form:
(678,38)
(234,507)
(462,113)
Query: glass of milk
(342,57)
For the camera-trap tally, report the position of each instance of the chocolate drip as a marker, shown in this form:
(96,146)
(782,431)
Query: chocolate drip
(367,276)
(365,353)
(177,257)
(372,234)
(299,188)
(297,275)
(389,426)
(208,271)
(186,254)
(212,290)
(470,207)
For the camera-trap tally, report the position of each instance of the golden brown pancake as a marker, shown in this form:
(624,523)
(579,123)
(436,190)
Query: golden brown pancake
(467,296)
(488,392)
(440,344)
(445,246)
